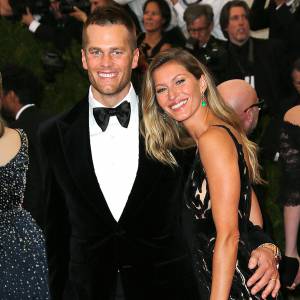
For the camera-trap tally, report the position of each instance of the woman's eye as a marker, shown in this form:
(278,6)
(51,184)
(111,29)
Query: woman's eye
(180,81)
(160,90)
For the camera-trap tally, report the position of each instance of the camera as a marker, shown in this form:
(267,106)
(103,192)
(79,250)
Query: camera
(37,7)
(67,6)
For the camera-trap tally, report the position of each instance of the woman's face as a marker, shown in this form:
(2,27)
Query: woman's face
(152,18)
(178,92)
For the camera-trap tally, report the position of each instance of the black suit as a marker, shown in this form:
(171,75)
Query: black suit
(268,65)
(282,23)
(29,120)
(86,246)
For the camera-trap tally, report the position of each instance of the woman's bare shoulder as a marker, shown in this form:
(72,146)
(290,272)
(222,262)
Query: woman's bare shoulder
(293,115)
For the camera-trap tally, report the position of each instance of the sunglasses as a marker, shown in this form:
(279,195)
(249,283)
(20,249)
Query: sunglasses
(259,104)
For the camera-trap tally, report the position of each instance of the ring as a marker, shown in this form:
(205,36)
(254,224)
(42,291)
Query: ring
(273,279)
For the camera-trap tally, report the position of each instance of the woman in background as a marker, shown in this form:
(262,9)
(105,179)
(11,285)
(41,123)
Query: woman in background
(23,265)
(181,108)
(156,18)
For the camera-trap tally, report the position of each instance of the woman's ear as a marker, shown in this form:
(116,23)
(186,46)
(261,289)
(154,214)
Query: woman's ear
(202,84)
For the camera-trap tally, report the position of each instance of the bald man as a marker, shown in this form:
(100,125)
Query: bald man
(241,96)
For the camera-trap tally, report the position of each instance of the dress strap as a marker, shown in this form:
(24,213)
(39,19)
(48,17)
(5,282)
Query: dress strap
(236,142)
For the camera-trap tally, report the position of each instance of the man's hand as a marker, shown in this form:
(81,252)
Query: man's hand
(78,14)
(266,276)
(27,18)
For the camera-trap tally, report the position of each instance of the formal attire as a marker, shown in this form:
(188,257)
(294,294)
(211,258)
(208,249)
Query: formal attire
(113,211)
(283,22)
(213,54)
(290,161)
(23,265)
(29,119)
(199,203)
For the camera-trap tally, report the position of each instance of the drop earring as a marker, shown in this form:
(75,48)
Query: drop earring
(203,100)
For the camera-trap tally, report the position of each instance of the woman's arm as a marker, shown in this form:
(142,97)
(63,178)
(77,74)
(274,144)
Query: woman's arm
(220,160)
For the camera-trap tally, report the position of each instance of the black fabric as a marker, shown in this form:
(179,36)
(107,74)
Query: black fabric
(122,112)
(205,231)
(87,246)
(290,162)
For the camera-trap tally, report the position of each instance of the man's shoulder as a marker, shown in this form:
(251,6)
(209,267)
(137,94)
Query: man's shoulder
(67,117)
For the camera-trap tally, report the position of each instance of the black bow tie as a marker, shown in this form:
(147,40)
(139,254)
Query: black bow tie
(122,112)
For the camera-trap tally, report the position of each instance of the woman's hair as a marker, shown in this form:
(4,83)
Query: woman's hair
(163,134)
(164,10)
(1,120)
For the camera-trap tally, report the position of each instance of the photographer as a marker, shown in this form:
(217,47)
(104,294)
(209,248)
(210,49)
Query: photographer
(201,43)
(45,19)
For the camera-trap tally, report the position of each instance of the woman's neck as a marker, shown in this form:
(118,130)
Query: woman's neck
(152,38)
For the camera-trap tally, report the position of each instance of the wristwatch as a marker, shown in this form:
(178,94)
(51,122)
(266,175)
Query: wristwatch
(274,249)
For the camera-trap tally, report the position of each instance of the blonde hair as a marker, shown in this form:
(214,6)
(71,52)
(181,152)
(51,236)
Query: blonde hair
(163,134)
(1,120)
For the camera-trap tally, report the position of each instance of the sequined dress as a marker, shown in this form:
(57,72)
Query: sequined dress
(23,266)
(199,203)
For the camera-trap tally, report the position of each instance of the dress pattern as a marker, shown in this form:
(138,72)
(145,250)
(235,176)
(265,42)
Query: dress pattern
(199,203)
(290,162)
(23,266)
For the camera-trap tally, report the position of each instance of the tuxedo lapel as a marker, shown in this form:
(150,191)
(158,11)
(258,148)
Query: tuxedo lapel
(74,133)
(149,173)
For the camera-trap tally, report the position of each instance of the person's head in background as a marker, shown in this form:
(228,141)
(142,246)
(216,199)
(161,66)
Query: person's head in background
(99,3)
(296,75)
(199,19)
(156,15)
(234,21)
(242,97)
(20,87)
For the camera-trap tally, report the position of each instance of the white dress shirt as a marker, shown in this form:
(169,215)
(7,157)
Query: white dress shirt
(115,154)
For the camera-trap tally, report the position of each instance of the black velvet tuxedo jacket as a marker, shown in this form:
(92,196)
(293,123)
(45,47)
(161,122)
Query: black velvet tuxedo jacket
(29,120)
(87,246)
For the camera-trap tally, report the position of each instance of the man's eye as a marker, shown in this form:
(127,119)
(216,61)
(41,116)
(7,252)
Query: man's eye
(117,52)
(95,52)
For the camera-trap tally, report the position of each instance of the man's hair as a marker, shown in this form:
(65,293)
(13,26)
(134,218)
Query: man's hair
(296,65)
(164,10)
(110,15)
(23,82)
(225,13)
(195,11)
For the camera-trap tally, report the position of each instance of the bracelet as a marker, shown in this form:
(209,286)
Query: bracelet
(274,249)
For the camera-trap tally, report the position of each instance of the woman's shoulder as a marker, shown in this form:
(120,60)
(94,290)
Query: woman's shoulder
(292,116)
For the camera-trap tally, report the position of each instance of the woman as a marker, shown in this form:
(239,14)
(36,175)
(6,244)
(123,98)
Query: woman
(23,266)
(181,107)
(156,18)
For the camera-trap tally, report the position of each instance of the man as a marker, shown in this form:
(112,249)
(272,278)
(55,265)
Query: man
(114,215)
(242,97)
(282,17)
(22,92)
(202,44)
(262,63)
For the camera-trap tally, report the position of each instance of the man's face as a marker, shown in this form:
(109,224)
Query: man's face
(109,59)
(238,28)
(200,30)
(296,80)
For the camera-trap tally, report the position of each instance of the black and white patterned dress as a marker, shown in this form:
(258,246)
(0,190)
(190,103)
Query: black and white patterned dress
(23,265)
(199,203)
